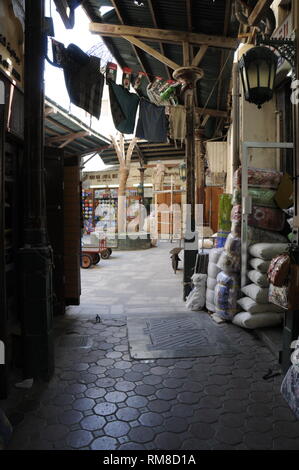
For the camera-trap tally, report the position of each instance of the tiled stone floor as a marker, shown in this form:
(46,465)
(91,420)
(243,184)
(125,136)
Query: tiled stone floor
(99,398)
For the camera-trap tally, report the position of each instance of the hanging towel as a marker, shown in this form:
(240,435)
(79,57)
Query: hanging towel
(177,122)
(151,124)
(83,79)
(123,107)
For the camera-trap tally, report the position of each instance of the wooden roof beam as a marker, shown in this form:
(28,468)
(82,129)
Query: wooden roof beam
(228,11)
(258,12)
(141,156)
(211,112)
(154,18)
(149,50)
(67,137)
(64,11)
(189,16)
(120,17)
(165,35)
(199,56)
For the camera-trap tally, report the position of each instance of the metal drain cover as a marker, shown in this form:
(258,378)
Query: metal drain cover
(74,341)
(178,336)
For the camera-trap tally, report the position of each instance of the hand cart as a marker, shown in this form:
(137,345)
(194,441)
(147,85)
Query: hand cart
(91,255)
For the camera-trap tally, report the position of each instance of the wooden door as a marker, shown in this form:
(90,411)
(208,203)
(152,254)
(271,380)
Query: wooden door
(211,206)
(54,159)
(167,216)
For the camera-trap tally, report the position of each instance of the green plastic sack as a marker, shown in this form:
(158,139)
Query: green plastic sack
(260,197)
(225,208)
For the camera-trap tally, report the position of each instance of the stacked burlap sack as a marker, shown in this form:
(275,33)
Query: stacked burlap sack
(197,297)
(267,219)
(257,311)
(227,290)
(213,272)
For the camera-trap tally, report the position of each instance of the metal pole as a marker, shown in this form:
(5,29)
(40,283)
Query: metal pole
(3,312)
(35,254)
(291,323)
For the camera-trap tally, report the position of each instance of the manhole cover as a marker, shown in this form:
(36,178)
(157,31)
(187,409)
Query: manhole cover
(192,335)
(165,334)
(74,341)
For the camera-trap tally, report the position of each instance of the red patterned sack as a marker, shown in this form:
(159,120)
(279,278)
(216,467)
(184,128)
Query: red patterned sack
(267,218)
(279,270)
(260,177)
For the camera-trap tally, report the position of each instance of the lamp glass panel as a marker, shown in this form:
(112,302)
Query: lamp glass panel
(253,75)
(264,70)
(245,81)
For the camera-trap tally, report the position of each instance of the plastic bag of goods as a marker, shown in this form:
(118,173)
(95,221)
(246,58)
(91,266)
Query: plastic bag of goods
(279,296)
(225,207)
(233,244)
(214,255)
(213,270)
(290,384)
(260,320)
(210,300)
(229,263)
(221,238)
(260,177)
(236,213)
(258,235)
(260,197)
(236,228)
(227,292)
(267,218)
(197,297)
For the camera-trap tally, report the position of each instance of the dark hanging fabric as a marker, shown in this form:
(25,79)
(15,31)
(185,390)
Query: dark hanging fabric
(151,124)
(123,107)
(83,79)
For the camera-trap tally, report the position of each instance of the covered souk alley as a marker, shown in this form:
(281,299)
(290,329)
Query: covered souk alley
(101,398)
(109,357)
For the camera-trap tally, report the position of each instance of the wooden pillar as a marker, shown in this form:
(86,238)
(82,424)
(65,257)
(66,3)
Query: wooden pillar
(189,76)
(142,170)
(200,166)
(35,254)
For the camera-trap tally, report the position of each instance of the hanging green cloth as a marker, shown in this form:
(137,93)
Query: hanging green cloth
(225,208)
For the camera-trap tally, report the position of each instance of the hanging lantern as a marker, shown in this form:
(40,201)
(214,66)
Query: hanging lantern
(258,68)
(183,171)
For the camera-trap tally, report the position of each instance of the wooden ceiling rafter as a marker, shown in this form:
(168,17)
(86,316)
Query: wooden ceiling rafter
(141,156)
(259,11)
(149,50)
(154,18)
(200,55)
(135,50)
(189,28)
(65,139)
(165,35)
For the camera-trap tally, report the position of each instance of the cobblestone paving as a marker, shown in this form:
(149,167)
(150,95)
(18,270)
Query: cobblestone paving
(100,398)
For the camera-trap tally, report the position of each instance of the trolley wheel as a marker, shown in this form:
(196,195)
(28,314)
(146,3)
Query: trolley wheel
(86,261)
(96,258)
(105,254)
